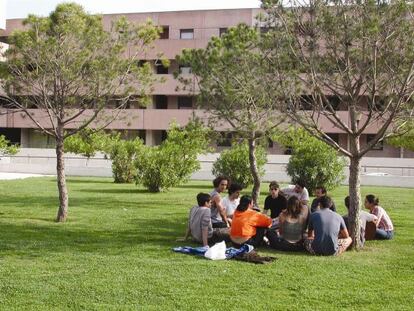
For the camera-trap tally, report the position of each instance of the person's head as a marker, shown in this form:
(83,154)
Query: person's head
(371,201)
(234,191)
(320,191)
(203,199)
(274,189)
(221,183)
(299,186)
(245,203)
(325,202)
(293,207)
(347,202)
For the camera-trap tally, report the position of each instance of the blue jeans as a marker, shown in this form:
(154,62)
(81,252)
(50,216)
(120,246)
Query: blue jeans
(384,235)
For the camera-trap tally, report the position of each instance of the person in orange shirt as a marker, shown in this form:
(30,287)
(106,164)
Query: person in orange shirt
(248,226)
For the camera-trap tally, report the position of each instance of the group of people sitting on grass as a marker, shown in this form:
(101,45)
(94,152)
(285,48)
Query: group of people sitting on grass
(293,225)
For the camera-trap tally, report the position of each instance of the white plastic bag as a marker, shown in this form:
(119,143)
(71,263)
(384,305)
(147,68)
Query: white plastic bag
(217,251)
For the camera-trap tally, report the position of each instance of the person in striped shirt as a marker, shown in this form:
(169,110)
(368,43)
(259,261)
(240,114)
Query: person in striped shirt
(385,228)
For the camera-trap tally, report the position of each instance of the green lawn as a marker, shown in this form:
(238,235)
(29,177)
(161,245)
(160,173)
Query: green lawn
(114,253)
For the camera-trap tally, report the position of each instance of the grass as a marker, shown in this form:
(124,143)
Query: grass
(114,253)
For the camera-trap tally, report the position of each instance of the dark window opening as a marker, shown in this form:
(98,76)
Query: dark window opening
(165,32)
(270,143)
(161,102)
(13,135)
(185,102)
(4,39)
(187,34)
(164,135)
(378,146)
(334,102)
(161,69)
(225,139)
(222,31)
(288,150)
(334,137)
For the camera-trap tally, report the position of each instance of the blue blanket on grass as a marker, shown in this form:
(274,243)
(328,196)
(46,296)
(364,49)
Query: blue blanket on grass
(200,251)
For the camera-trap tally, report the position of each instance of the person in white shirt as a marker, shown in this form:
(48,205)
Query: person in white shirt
(364,217)
(232,200)
(298,190)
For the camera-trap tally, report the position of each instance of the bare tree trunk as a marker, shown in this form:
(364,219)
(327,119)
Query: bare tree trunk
(61,179)
(254,171)
(354,201)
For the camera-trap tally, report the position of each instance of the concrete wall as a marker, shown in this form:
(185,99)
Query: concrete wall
(375,171)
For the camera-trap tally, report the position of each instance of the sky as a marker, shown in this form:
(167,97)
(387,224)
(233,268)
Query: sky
(21,8)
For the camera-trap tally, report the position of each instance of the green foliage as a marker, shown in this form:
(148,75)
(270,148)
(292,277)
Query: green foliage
(123,154)
(6,148)
(312,160)
(234,163)
(87,142)
(405,140)
(172,163)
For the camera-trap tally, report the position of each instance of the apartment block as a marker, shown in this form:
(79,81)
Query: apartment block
(184,29)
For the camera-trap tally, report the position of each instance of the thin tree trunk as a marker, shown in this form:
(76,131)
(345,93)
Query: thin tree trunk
(61,179)
(354,201)
(254,171)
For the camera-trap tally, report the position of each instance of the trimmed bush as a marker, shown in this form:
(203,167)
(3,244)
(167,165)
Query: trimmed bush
(312,160)
(234,163)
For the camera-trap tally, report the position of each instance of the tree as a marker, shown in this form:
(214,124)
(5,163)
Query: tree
(360,52)
(69,68)
(405,139)
(238,89)
(165,166)
(312,161)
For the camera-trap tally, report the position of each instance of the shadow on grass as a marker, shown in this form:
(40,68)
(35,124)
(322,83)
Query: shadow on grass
(116,191)
(88,181)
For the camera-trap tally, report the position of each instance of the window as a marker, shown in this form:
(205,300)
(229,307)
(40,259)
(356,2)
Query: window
(185,69)
(185,102)
(288,150)
(165,32)
(225,139)
(334,137)
(187,34)
(334,102)
(270,143)
(222,31)
(378,146)
(161,102)
(160,69)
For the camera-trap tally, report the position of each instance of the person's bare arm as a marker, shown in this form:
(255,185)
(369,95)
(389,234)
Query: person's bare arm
(221,208)
(186,236)
(204,235)
(343,234)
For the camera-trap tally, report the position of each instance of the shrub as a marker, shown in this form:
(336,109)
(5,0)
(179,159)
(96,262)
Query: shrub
(121,152)
(165,166)
(234,163)
(312,160)
(6,148)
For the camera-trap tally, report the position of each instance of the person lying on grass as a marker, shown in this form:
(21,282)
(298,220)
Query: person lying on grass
(327,233)
(199,223)
(385,228)
(248,226)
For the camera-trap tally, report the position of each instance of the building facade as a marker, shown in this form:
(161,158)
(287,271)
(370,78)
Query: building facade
(184,29)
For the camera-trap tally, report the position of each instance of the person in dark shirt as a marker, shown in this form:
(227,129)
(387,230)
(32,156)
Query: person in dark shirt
(319,193)
(276,202)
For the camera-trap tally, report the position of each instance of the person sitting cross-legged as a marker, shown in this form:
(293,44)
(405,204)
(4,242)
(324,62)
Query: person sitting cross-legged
(292,227)
(248,226)
(327,233)
(199,223)
(276,201)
